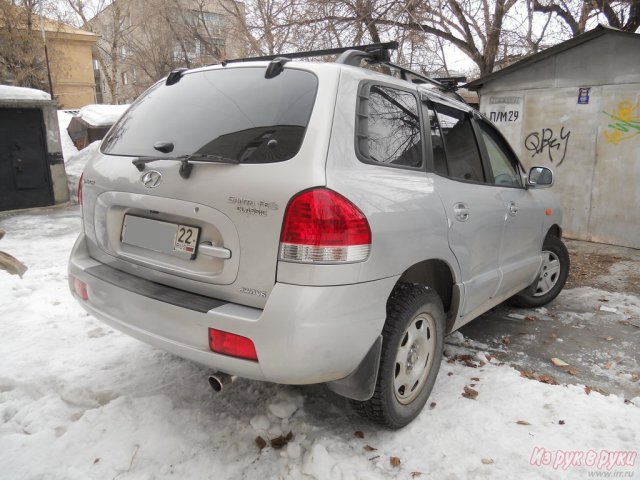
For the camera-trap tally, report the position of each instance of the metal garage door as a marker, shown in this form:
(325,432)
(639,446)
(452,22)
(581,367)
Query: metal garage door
(25,180)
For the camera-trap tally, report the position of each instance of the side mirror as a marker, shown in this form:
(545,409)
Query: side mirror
(540,177)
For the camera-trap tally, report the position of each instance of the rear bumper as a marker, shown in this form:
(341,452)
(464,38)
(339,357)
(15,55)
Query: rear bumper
(304,334)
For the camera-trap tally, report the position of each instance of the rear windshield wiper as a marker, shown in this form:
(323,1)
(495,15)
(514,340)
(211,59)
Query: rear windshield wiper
(185,167)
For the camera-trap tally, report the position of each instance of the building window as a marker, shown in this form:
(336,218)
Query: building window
(194,49)
(125,78)
(213,23)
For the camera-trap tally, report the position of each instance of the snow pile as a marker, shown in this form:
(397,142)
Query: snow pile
(74,160)
(68,148)
(80,400)
(102,115)
(8,92)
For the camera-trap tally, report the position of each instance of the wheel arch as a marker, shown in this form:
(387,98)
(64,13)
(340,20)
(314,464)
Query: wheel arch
(439,276)
(555,231)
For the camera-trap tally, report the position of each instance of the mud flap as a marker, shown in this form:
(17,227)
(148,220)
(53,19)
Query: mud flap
(361,383)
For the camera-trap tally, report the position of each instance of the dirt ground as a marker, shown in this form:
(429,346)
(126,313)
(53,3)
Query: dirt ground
(606,267)
(593,326)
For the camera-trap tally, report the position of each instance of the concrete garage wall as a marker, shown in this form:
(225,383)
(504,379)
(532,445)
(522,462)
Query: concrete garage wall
(593,145)
(615,208)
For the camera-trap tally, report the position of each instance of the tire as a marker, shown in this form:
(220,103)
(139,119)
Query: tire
(412,348)
(551,277)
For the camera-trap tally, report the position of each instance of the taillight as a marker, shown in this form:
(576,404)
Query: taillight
(80,190)
(322,226)
(232,344)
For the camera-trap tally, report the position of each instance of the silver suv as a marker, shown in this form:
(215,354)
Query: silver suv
(301,223)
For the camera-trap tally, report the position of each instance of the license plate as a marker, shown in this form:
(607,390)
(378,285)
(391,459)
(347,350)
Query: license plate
(186,239)
(165,237)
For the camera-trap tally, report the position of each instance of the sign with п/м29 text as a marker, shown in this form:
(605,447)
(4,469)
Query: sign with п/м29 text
(505,109)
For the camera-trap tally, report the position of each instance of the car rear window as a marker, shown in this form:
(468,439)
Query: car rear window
(235,113)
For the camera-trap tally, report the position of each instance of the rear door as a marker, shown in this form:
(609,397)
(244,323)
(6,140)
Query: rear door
(475,212)
(24,174)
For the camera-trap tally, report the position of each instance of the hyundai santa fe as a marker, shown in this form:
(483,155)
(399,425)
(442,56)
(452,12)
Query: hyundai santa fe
(304,222)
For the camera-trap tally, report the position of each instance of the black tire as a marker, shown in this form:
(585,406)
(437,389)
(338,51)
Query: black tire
(535,295)
(416,307)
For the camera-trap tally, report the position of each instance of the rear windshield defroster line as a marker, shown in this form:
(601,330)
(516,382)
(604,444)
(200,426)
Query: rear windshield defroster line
(233,113)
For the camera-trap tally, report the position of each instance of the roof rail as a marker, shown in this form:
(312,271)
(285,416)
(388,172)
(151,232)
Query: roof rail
(406,73)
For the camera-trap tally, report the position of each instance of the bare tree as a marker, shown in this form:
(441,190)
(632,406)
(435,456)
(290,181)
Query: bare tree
(198,34)
(476,27)
(21,46)
(621,14)
(269,27)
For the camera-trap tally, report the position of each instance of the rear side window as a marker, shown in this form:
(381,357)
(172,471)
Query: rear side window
(235,113)
(462,154)
(389,128)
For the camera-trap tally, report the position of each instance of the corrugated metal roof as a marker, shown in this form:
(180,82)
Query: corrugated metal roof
(556,49)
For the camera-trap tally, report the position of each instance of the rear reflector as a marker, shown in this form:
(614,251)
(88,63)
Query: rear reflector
(322,226)
(81,289)
(231,344)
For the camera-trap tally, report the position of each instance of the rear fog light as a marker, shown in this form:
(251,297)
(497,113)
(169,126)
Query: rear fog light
(231,344)
(81,289)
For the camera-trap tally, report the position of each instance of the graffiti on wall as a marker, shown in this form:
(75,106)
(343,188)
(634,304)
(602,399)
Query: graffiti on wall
(554,144)
(625,122)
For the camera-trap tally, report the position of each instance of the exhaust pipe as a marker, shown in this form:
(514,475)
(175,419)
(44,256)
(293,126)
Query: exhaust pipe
(219,380)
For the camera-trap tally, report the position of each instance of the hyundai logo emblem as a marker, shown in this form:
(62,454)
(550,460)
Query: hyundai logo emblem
(151,179)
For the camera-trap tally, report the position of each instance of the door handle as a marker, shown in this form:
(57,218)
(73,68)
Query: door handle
(210,250)
(512,209)
(461,211)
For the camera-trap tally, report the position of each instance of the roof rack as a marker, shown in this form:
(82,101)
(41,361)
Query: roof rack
(451,82)
(371,49)
(406,74)
(374,53)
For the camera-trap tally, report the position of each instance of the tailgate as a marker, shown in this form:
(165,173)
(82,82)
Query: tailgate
(216,232)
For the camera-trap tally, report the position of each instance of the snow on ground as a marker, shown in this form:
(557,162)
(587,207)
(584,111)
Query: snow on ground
(102,115)
(79,400)
(8,92)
